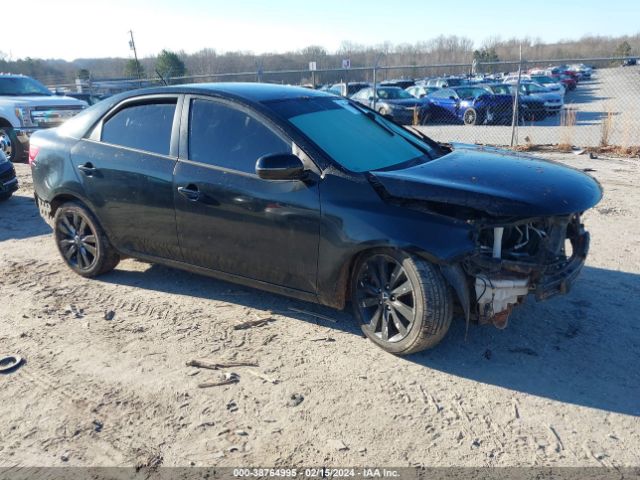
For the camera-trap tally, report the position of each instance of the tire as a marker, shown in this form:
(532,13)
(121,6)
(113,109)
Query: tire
(412,288)
(81,241)
(471,117)
(10,145)
(5,196)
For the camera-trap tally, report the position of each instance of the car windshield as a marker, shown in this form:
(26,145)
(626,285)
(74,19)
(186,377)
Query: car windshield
(359,140)
(542,80)
(501,89)
(534,88)
(470,93)
(21,86)
(453,82)
(392,93)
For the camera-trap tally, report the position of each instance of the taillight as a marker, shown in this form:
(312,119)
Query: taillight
(33,153)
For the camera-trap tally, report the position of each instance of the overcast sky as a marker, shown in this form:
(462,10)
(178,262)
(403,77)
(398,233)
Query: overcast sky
(70,29)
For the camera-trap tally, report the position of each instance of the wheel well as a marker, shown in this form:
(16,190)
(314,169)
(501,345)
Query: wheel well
(5,123)
(60,199)
(343,287)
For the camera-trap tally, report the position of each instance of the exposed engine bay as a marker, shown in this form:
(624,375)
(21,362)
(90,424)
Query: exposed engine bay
(540,256)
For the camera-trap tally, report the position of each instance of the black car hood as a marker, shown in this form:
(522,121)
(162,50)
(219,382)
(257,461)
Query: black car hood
(494,181)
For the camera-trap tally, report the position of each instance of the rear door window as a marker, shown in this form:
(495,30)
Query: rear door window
(145,126)
(229,137)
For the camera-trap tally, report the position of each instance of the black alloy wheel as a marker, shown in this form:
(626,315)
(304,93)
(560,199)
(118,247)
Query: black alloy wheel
(386,298)
(402,302)
(81,241)
(77,240)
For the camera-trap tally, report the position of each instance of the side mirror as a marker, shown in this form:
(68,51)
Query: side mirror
(280,166)
(452,98)
(371,98)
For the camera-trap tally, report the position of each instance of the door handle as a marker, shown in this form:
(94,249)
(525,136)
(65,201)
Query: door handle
(87,168)
(190,192)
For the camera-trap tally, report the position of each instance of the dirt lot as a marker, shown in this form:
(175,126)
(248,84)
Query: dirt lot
(560,386)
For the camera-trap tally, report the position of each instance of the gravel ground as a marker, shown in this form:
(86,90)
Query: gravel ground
(106,383)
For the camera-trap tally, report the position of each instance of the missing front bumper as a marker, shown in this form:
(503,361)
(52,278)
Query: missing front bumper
(501,284)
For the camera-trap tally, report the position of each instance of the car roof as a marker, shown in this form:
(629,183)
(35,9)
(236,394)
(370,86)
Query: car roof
(252,92)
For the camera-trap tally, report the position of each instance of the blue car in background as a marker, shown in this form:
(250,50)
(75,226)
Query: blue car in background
(531,107)
(470,105)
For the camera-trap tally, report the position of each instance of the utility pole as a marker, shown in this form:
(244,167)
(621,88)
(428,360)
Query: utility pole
(132,46)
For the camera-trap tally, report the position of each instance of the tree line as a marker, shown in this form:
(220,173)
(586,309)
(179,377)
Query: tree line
(450,49)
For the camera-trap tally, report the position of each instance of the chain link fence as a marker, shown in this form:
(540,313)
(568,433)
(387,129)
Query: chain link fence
(602,110)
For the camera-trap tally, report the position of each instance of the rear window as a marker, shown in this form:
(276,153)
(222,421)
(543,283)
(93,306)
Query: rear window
(143,127)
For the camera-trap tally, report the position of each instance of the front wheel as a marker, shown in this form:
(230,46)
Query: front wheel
(402,301)
(10,145)
(471,117)
(81,241)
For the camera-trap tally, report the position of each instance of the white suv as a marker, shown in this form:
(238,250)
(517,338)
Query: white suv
(26,106)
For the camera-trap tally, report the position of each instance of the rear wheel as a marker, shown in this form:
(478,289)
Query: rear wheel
(401,301)
(81,241)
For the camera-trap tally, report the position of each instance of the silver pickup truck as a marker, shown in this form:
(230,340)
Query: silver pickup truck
(26,106)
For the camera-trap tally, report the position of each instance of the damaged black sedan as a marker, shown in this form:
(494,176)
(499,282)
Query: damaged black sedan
(316,197)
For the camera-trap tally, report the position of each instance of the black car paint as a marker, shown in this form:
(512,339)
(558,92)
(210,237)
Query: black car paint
(507,185)
(297,237)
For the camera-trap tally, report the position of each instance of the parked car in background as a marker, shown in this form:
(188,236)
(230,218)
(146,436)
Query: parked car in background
(8,180)
(338,205)
(585,70)
(553,101)
(530,107)
(421,91)
(26,106)
(569,82)
(445,82)
(403,83)
(471,105)
(91,99)
(629,62)
(549,83)
(346,90)
(577,76)
(395,103)
(558,74)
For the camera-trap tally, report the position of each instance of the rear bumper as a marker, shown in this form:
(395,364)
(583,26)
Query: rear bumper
(403,117)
